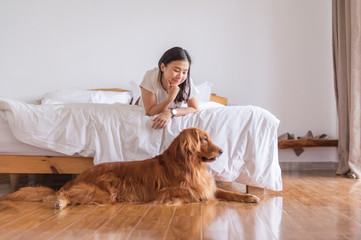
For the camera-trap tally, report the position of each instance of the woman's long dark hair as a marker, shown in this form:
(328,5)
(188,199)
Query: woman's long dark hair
(174,54)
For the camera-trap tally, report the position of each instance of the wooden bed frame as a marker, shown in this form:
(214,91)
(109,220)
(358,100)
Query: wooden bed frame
(59,164)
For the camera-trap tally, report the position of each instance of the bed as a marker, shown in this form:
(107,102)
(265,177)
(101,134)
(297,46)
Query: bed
(58,137)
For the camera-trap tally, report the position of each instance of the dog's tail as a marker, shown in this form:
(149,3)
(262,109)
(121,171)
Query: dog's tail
(32,194)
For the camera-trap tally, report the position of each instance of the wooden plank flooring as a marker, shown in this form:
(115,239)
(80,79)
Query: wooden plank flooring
(313,205)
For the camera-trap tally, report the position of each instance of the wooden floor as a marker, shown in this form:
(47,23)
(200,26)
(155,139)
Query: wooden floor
(313,205)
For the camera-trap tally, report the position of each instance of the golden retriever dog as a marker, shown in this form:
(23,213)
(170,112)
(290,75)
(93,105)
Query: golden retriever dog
(179,175)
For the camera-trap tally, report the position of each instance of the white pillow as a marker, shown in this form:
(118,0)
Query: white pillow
(205,90)
(209,104)
(136,93)
(85,96)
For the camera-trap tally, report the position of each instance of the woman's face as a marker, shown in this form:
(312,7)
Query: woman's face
(175,72)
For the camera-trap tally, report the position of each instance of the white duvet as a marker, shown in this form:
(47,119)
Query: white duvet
(119,132)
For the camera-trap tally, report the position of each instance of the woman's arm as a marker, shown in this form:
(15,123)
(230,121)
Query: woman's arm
(150,103)
(163,118)
(193,107)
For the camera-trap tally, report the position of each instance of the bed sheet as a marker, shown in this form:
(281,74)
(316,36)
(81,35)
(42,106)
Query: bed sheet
(9,145)
(119,132)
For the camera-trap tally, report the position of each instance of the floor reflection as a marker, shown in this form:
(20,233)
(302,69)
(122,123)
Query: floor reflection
(244,220)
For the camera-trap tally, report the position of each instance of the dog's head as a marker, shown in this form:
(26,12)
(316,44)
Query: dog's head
(196,143)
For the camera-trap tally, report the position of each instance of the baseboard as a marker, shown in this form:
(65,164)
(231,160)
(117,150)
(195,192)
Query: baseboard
(290,166)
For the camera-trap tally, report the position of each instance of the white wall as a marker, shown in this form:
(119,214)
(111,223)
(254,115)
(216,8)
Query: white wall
(272,53)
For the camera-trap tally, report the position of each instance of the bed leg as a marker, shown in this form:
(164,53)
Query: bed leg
(32,179)
(232,186)
(254,190)
(14,182)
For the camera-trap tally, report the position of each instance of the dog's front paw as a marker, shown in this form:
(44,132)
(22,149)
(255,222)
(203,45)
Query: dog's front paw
(60,204)
(174,201)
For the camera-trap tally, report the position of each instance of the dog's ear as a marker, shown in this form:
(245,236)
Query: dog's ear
(191,141)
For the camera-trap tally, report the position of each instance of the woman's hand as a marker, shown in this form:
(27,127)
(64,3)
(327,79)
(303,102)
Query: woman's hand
(173,91)
(162,120)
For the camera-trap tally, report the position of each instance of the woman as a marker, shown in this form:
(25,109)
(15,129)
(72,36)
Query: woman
(168,90)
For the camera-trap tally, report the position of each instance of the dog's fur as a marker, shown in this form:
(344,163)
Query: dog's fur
(179,175)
